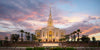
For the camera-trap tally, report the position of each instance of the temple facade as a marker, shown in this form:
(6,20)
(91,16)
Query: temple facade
(50,33)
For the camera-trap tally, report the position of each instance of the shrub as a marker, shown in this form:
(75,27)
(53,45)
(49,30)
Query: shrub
(71,49)
(38,48)
(29,48)
(0,43)
(57,48)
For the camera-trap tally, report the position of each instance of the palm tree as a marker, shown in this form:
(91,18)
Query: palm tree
(78,31)
(93,39)
(67,37)
(6,38)
(71,36)
(22,31)
(26,35)
(32,36)
(12,37)
(74,37)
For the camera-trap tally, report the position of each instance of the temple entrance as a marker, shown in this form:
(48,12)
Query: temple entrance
(46,40)
(53,40)
(50,36)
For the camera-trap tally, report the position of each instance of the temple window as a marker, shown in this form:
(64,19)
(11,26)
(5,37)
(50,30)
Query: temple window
(38,34)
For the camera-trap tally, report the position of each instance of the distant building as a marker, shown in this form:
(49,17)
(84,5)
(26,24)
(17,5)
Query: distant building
(50,33)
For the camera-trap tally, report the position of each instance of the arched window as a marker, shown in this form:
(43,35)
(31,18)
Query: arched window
(38,34)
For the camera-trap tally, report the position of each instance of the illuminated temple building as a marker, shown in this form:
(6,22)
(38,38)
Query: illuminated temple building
(50,33)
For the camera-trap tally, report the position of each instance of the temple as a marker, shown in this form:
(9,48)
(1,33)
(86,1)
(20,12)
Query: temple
(50,33)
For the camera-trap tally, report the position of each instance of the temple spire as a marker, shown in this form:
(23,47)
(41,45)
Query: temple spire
(50,21)
(50,13)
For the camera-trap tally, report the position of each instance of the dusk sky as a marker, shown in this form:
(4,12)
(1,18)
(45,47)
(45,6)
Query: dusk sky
(31,15)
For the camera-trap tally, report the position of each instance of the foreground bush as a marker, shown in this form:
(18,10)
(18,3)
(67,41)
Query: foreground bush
(29,48)
(38,48)
(57,48)
(71,49)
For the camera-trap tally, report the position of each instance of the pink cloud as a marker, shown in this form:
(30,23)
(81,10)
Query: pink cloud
(89,29)
(32,15)
(27,16)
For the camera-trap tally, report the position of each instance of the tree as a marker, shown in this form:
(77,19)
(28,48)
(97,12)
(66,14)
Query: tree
(78,32)
(93,39)
(67,37)
(62,39)
(22,31)
(14,37)
(71,36)
(85,38)
(6,38)
(39,40)
(34,37)
(74,36)
(26,35)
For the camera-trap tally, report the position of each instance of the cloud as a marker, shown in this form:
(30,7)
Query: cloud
(4,34)
(85,27)
(31,15)
(91,29)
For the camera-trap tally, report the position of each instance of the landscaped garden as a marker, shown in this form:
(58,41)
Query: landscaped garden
(69,42)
